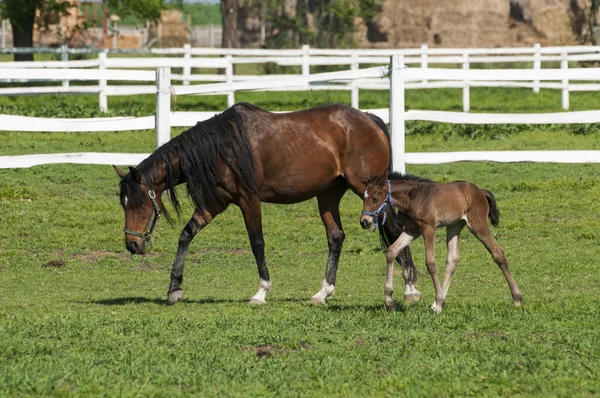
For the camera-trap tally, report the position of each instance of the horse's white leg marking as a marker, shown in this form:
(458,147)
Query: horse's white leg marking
(174,297)
(325,292)
(263,288)
(402,242)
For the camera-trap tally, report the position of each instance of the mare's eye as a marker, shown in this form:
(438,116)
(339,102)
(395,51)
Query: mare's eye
(374,199)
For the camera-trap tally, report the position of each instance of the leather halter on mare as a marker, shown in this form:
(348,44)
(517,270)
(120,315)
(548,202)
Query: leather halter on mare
(375,214)
(152,221)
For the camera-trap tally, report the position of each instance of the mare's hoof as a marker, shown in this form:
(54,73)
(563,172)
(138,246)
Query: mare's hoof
(255,301)
(174,297)
(411,298)
(317,300)
(390,308)
(518,304)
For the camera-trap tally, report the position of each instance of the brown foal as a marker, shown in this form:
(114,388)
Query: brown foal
(423,206)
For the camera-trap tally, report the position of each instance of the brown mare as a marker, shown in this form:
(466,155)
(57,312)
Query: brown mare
(423,206)
(246,156)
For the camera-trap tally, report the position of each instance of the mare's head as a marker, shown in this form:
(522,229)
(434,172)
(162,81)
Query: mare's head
(375,199)
(142,208)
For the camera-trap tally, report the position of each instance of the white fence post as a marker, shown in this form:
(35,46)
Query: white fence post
(163,106)
(64,56)
(305,61)
(397,112)
(229,79)
(466,98)
(187,69)
(354,93)
(564,65)
(102,83)
(537,65)
(424,62)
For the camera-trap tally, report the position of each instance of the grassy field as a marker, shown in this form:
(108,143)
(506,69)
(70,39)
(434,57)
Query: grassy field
(81,317)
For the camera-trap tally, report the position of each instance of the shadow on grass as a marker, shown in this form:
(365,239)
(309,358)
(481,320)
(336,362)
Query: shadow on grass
(400,307)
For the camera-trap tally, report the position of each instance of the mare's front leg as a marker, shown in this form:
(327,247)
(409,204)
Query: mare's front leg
(197,222)
(429,238)
(253,219)
(400,244)
(329,202)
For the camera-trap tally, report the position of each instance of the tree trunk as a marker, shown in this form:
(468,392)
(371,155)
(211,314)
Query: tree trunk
(229,12)
(22,21)
(594,22)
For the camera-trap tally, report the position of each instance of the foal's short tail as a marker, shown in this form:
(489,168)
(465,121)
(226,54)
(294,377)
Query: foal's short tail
(493,214)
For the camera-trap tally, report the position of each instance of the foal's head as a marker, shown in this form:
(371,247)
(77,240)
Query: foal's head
(375,199)
(142,208)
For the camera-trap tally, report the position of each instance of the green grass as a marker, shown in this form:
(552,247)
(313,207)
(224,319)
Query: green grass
(80,317)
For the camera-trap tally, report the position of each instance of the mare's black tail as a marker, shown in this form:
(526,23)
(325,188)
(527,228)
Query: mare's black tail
(494,213)
(391,231)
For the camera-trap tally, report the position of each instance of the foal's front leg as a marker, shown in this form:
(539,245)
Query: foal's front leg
(400,244)
(196,223)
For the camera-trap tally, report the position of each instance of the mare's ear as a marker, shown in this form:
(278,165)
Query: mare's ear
(120,172)
(135,174)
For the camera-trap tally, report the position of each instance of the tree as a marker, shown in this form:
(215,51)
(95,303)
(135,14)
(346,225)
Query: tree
(23,13)
(594,21)
(229,13)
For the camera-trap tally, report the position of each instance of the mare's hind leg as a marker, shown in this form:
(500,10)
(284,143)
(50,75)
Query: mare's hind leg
(196,223)
(453,256)
(329,202)
(400,244)
(392,230)
(481,230)
(253,219)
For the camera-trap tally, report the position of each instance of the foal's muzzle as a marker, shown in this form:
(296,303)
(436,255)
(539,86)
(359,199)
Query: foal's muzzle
(366,222)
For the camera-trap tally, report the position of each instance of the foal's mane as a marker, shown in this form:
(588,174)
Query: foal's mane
(198,151)
(396,176)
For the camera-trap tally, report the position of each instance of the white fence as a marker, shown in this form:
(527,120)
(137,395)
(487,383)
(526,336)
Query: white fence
(224,60)
(396,115)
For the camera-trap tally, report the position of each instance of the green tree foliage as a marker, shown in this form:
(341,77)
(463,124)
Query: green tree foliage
(327,23)
(22,15)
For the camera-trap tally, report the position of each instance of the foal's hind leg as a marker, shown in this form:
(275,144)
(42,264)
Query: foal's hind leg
(453,256)
(329,202)
(429,238)
(253,218)
(481,230)
(196,223)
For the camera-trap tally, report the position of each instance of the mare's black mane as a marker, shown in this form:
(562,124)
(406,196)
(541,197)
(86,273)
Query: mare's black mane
(198,151)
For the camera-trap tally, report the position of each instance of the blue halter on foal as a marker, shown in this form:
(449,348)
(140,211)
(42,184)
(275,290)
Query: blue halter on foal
(375,214)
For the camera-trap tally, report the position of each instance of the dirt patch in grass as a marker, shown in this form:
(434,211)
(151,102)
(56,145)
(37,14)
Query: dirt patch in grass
(497,335)
(96,255)
(54,264)
(265,351)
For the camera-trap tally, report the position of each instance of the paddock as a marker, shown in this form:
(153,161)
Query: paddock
(79,316)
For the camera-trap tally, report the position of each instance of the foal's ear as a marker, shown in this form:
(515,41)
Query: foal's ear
(120,172)
(135,174)
(362,179)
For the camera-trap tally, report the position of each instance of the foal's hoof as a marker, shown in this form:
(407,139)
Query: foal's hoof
(174,297)
(436,309)
(255,301)
(411,298)
(390,308)
(317,300)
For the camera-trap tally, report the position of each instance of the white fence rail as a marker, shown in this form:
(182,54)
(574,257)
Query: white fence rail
(189,59)
(396,115)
